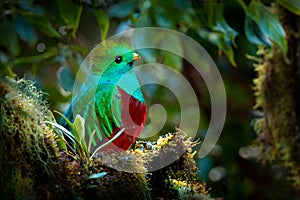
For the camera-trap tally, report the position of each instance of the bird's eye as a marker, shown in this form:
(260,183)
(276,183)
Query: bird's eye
(118,59)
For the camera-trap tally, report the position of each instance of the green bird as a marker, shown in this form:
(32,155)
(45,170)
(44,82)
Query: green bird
(111,98)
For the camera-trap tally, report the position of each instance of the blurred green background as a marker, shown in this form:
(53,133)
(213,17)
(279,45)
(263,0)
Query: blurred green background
(46,41)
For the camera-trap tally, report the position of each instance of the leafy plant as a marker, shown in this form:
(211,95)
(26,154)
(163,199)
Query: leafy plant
(77,139)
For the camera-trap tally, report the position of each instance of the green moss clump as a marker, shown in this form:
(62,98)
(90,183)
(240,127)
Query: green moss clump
(25,149)
(179,179)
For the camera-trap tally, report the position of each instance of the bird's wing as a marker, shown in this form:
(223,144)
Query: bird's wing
(108,105)
(100,106)
(83,104)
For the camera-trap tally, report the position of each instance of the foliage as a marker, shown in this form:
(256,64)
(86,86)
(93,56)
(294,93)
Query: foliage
(26,21)
(76,138)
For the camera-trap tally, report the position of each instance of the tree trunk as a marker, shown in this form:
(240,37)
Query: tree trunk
(277,90)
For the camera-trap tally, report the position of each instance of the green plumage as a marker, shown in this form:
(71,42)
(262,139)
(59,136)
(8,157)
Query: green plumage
(98,99)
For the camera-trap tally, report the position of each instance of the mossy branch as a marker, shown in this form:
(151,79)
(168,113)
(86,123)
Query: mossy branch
(36,163)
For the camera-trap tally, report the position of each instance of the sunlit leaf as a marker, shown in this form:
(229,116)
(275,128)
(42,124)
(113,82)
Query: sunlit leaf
(91,141)
(61,144)
(70,12)
(108,142)
(291,5)
(79,128)
(79,133)
(121,10)
(9,37)
(99,175)
(24,30)
(63,129)
(103,22)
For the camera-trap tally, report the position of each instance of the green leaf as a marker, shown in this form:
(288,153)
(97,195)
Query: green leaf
(42,23)
(63,129)
(103,22)
(70,12)
(62,144)
(228,50)
(223,27)
(67,120)
(121,10)
(24,30)
(9,38)
(291,5)
(243,5)
(78,48)
(220,33)
(108,142)
(254,34)
(29,7)
(269,25)
(50,52)
(98,175)
(66,78)
(79,131)
(91,141)
(219,39)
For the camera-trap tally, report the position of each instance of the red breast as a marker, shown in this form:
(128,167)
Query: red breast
(134,113)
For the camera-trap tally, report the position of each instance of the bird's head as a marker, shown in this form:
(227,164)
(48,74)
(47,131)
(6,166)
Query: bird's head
(112,57)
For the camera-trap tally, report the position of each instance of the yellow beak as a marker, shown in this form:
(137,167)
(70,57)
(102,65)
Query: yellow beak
(136,56)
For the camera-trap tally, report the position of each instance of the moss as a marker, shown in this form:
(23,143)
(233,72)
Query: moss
(275,91)
(34,165)
(186,193)
(23,148)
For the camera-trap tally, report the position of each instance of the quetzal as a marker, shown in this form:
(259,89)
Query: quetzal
(111,97)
